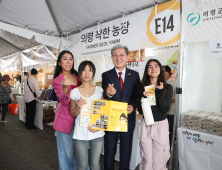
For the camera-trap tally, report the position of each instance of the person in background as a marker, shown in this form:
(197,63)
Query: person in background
(0,77)
(16,82)
(154,139)
(5,90)
(85,136)
(65,79)
(171,112)
(30,100)
(120,84)
(26,75)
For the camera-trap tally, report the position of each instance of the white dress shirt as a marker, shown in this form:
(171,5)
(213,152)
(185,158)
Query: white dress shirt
(123,75)
(34,85)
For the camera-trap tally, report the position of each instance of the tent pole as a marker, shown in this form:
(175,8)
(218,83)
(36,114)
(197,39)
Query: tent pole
(53,17)
(178,99)
(22,73)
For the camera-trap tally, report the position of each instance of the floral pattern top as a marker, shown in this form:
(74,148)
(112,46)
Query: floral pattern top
(4,94)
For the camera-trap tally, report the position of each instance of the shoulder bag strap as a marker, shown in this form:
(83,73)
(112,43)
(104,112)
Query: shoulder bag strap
(28,85)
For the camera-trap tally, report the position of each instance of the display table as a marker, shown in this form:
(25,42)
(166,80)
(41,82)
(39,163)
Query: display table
(135,156)
(199,150)
(16,90)
(39,111)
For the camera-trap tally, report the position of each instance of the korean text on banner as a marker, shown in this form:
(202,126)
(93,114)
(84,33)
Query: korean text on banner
(140,30)
(216,48)
(202,20)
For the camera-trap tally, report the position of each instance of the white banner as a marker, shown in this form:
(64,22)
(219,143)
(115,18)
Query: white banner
(166,55)
(202,20)
(216,48)
(199,151)
(140,30)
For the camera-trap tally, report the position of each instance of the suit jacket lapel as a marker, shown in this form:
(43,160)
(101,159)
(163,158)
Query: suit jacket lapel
(116,79)
(126,80)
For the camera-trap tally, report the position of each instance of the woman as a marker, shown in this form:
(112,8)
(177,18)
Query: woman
(31,85)
(65,79)
(154,139)
(170,113)
(16,82)
(84,134)
(5,90)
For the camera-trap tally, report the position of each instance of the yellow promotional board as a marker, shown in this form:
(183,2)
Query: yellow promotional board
(109,116)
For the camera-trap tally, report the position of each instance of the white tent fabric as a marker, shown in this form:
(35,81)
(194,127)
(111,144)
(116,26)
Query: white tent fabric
(45,21)
(10,63)
(201,79)
(11,43)
(42,56)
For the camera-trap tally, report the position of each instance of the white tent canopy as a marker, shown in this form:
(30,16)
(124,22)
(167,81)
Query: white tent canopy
(45,21)
(11,43)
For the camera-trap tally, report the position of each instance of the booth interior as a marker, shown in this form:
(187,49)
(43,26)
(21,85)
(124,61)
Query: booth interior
(200,129)
(44,61)
(177,33)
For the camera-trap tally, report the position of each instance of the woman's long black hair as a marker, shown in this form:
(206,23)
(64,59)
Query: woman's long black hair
(146,78)
(58,68)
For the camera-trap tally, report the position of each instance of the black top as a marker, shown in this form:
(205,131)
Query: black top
(162,103)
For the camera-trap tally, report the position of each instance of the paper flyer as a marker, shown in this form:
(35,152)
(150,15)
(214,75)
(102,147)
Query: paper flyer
(109,116)
(152,97)
(85,116)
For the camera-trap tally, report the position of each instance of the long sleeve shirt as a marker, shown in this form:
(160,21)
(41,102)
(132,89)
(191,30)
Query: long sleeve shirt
(34,85)
(162,103)
(17,84)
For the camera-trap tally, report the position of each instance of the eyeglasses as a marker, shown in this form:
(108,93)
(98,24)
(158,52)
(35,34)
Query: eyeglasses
(120,56)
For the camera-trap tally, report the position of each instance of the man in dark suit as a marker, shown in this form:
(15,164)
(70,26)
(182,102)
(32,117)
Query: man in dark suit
(120,84)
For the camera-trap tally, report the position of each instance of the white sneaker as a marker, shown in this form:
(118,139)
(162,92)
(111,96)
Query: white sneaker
(3,121)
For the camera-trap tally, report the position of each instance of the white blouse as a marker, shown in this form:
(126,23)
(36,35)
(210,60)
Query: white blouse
(83,133)
(17,84)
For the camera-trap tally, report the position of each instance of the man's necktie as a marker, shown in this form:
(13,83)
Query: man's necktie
(121,80)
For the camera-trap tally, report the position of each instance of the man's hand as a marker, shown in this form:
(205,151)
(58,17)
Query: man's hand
(39,98)
(111,90)
(81,102)
(129,109)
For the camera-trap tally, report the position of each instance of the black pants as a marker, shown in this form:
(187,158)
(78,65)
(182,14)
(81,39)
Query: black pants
(111,139)
(4,110)
(30,114)
(170,119)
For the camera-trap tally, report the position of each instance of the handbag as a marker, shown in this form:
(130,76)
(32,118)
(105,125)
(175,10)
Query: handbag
(34,94)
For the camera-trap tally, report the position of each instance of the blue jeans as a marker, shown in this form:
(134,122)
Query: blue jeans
(65,146)
(81,148)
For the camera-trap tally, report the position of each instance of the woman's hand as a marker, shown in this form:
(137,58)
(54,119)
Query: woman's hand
(146,93)
(160,86)
(66,82)
(92,130)
(81,102)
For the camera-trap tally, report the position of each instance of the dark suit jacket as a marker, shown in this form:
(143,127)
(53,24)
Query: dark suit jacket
(129,93)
